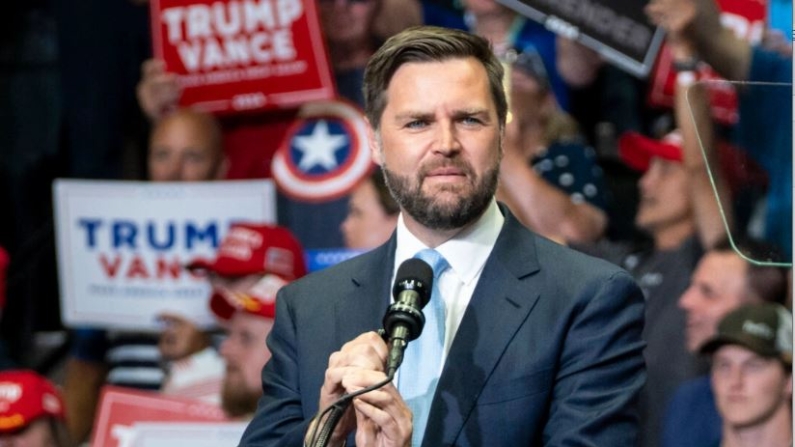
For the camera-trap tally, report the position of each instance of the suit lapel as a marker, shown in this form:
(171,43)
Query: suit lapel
(365,293)
(501,302)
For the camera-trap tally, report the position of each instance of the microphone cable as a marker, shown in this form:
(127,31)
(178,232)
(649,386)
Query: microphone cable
(337,410)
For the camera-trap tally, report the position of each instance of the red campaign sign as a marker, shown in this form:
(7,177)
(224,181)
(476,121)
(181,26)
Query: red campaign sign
(120,408)
(242,55)
(747,19)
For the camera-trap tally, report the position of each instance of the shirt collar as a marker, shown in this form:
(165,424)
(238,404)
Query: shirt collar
(466,252)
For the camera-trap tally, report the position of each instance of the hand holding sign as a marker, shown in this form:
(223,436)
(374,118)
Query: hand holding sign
(158,91)
(672,15)
(236,55)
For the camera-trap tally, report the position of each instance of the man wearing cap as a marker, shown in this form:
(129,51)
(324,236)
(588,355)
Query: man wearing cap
(247,319)
(252,263)
(31,411)
(752,376)
(722,282)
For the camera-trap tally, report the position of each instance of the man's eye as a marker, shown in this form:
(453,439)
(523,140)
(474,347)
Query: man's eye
(471,120)
(416,124)
(160,155)
(194,157)
(756,365)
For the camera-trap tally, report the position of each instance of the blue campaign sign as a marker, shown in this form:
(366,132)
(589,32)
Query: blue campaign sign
(322,258)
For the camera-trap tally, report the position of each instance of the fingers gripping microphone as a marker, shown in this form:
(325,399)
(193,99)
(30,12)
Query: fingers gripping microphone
(404,320)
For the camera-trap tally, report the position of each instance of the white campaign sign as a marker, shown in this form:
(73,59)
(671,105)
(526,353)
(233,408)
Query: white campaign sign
(194,434)
(122,246)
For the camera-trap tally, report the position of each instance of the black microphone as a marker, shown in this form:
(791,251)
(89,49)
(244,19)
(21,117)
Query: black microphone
(404,320)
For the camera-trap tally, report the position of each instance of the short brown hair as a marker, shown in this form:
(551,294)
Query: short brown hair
(428,44)
(764,282)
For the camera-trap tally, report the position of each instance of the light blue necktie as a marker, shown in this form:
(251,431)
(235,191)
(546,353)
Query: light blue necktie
(423,358)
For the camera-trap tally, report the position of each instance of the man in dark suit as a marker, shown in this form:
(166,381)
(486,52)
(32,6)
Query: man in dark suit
(540,345)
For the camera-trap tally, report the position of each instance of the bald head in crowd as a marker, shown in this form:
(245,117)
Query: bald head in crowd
(186,146)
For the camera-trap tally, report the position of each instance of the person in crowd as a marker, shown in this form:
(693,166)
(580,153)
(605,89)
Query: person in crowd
(32,412)
(372,214)
(348,27)
(184,147)
(722,282)
(510,32)
(247,318)
(752,376)
(765,113)
(397,15)
(548,177)
(525,340)
(679,210)
(191,362)
(607,102)
(252,260)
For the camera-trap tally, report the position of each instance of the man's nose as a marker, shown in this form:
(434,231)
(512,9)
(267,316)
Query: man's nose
(448,139)
(686,300)
(172,170)
(225,349)
(736,378)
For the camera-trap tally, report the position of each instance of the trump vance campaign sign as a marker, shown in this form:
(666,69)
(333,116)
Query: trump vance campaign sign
(122,246)
(123,415)
(236,55)
(195,434)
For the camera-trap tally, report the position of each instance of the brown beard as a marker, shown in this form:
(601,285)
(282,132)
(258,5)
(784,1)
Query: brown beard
(238,401)
(427,211)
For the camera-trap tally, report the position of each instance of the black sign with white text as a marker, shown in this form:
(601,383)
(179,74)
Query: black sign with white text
(616,29)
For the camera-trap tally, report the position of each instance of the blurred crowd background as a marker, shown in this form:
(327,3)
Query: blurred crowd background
(588,162)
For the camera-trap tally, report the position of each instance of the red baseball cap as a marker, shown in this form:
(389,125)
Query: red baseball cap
(26,396)
(637,150)
(736,165)
(251,249)
(259,300)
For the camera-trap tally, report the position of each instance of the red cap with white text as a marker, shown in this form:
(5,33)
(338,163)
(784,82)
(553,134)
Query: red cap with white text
(254,248)
(26,396)
(259,300)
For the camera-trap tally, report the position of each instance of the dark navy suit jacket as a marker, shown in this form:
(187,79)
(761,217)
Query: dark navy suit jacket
(549,351)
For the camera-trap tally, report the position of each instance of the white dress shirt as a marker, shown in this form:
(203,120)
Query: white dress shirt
(466,253)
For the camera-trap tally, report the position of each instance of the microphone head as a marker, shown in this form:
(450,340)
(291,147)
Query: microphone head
(414,274)
(412,291)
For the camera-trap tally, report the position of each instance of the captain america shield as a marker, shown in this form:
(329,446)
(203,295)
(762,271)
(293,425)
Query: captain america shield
(324,154)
